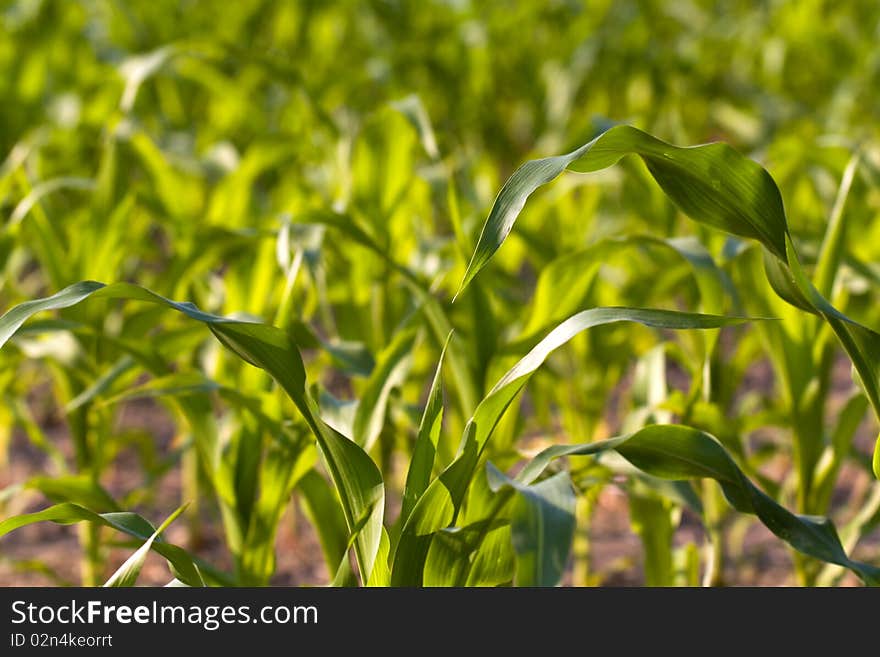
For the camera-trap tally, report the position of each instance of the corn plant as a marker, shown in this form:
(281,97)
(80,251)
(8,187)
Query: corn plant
(472,524)
(270,234)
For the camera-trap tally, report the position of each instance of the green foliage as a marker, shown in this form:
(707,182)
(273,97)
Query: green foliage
(427,379)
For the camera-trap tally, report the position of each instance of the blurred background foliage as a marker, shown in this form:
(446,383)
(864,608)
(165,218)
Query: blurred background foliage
(320,165)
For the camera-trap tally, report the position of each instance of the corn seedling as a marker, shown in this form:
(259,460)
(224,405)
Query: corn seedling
(259,289)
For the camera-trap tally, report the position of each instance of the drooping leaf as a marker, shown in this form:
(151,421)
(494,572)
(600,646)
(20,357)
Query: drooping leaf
(182,564)
(439,505)
(128,572)
(712,183)
(678,452)
(715,185)
(354,473)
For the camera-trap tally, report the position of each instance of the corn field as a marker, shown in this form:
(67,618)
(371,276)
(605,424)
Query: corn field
(442,293)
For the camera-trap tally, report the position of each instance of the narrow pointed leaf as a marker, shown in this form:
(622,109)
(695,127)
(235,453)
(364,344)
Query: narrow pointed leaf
(128,572)
(715,185)
(354,473)
(711,183)
(439,505)
(679,452)
(182,564)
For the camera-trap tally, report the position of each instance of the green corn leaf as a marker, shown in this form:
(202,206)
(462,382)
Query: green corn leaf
(322,507)
(414,111)
(280,470)
(562,286)
(43,189)
(478,551)
(351,357)
(179,384)
(541,526)
(101,384)
(476,554)
(79,489)
(712,183)
(182,564)
(381,575)
(439,505)
(344,577)
(833,250)
(127,573)
(425,449)
(392,366)
(354,473)
(715,185)
(679,452)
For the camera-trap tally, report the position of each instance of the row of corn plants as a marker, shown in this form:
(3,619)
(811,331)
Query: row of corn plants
(295,264)
(470,523)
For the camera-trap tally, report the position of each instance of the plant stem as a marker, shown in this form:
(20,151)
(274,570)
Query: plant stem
(713,511)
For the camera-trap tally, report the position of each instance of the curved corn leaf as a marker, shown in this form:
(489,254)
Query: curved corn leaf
(439,505)
(353,472)
(678,452)
(476,554)
(712,183)
(127,573)
(715,185)
(832,250)
(381,574)
(182,564)
(101,384)
(541,526)
(414,111)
